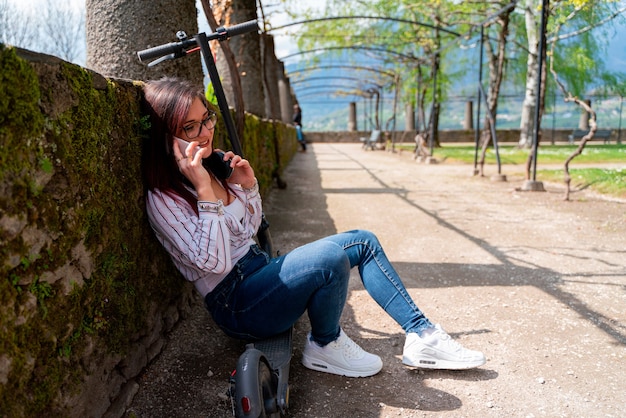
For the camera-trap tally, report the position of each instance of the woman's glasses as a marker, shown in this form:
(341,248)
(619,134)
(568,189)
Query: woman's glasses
(194,129)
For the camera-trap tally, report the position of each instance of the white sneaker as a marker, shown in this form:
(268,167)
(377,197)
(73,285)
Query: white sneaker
(342,356)
(438,351)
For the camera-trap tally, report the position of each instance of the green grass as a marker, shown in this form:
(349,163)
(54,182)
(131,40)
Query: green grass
(547,154)
(602,180)
(606,181)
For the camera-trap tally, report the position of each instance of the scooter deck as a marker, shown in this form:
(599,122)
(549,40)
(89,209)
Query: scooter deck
(277,349)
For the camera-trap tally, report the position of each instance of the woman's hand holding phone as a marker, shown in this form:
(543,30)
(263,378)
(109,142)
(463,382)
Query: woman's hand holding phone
(243,174)
(216,164)
(189,159)
(183,146)
(224,165)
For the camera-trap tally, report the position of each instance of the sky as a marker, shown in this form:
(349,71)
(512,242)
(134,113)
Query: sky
(26,4)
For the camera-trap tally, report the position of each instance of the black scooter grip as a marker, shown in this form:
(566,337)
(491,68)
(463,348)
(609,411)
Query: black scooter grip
(159,51)
(241,28)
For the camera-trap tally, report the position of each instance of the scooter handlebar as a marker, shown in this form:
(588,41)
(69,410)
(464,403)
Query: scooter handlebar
(177,48)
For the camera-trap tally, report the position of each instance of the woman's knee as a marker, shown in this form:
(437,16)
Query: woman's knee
(367,237)
(334,257)
(325,256)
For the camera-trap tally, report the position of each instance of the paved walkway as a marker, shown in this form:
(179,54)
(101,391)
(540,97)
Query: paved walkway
(536,283)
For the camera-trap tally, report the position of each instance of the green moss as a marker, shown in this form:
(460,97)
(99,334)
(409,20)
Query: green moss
(20,122)
(19,96)
(71,155)
(100,204)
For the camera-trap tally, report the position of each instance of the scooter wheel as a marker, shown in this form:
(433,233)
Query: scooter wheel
(267,387)
(255,386)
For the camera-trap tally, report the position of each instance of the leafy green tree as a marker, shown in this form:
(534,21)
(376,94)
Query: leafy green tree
(398,37)
(497,30)
(574,88)
(577,51)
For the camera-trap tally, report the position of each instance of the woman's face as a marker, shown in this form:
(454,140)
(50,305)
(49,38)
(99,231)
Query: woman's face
(198,125)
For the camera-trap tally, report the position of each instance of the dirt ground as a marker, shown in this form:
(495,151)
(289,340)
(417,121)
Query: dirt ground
(536,283)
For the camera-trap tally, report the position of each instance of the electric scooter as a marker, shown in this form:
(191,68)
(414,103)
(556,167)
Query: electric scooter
(259,384)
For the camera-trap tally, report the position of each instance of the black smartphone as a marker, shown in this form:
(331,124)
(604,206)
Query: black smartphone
(215,164)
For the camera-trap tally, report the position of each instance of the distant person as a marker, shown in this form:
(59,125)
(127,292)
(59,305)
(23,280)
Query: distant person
(297,121)
(207,225)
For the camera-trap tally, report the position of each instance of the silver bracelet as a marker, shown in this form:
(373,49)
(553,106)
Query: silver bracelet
(206,206)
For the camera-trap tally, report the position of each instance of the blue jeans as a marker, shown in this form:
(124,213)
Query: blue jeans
(262,297)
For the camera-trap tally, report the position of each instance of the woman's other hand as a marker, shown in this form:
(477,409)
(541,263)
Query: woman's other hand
(243,173)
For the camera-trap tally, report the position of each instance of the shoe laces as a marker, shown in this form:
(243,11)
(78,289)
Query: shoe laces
(445,338)
(351,350)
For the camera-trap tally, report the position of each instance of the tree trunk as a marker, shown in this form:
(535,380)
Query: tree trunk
(117,29)
(527,121)
(497,61)
(542,102)
(434,117)
(247,51)
(271,72)
(420,95)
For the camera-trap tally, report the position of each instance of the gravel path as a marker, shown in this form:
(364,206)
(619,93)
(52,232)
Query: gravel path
(536,283)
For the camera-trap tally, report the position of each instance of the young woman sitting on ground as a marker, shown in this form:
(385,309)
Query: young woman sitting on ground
(207,226)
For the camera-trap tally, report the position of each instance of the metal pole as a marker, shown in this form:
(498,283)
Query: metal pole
(219,92)
(416,117)
(544,18)
(381,108)
(431,138)
(395,104)
(553,116)
(370,113)
(479,99)
(619,128)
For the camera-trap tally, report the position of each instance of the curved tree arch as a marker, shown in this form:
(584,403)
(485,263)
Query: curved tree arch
(392,19)
(349,67)
(355,47)
(404,57)
(306,80)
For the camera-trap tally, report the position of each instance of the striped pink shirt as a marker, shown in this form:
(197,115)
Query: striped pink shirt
(205,247)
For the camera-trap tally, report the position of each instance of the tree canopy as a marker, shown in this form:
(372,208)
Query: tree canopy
(433,46)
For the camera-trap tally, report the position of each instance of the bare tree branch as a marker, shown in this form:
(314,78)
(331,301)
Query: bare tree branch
(14,27)
(569,97)
(63,30)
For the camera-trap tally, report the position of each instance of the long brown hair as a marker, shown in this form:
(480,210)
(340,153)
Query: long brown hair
(167,102)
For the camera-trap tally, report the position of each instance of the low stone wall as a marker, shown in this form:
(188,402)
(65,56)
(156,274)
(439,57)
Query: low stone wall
(88,294)
(445,136)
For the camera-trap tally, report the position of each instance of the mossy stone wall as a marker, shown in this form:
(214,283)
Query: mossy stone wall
(87,292)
